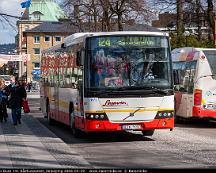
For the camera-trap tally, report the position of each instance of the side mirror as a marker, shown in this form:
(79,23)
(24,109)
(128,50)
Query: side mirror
(80,57)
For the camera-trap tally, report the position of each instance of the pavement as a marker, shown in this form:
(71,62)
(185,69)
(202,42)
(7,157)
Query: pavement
(32,145)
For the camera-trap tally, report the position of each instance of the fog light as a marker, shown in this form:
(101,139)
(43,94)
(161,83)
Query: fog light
(102,116)
(163,123)
(169,114)
(92,116)
(97,126)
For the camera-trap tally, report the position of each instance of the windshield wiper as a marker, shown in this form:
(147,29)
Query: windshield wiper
(162,91)
(133,89)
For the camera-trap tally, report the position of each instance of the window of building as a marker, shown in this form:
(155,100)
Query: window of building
(26,27)
(47,38)
(37,15)
(58,38)
(37,39)
(36,65)
(36,51)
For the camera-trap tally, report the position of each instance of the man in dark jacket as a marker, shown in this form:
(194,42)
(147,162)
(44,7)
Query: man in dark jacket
(16,94)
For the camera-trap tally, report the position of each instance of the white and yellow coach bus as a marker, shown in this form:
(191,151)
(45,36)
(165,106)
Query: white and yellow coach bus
(109,81)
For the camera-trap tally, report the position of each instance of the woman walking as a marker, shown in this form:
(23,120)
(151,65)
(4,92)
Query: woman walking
(16,94)
(3,101)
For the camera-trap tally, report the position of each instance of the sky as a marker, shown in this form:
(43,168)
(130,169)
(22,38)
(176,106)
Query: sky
(11,7)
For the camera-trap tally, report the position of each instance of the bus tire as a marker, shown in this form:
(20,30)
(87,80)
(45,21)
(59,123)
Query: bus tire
(50,120)
(76,132)
(177,120)
(148,132)
(47,108)
(71,115)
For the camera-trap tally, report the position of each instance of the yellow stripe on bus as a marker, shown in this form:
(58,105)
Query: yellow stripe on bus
(65,105)
(130,110)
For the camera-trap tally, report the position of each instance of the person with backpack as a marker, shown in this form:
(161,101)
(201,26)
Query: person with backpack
(3,101)
(17,93)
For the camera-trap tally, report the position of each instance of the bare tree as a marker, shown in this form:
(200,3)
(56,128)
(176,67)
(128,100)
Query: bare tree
(211,18)
(180,17)
(106,13)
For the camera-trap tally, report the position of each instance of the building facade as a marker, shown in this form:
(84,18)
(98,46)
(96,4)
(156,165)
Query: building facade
(40,11)
(42,37)
(168,22)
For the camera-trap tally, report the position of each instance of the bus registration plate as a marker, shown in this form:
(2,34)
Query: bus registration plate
(131,127)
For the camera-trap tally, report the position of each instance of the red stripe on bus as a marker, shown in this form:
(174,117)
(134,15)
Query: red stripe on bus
(199,112)
(95,125)
(92,125)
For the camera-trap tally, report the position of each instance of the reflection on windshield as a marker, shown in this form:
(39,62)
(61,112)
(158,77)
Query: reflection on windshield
(128,66)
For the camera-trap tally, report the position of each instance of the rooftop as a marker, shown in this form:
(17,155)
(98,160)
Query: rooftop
(43,10)
(54,27)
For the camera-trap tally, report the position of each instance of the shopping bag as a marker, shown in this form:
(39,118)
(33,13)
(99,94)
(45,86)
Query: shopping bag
(25,106)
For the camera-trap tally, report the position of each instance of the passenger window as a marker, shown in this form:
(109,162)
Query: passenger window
(183,73)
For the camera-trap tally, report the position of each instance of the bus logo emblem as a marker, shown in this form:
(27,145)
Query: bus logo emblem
(115,103)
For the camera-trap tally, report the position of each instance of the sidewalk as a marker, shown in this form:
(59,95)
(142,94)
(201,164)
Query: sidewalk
(32,145)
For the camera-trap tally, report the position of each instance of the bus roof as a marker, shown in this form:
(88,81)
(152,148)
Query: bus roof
(79,37)
(187,53)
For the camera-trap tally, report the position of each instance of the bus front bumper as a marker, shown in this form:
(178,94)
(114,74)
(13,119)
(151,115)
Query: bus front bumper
(200,112)
(166,123)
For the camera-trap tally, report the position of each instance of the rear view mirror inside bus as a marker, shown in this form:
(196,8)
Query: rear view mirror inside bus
(80,58)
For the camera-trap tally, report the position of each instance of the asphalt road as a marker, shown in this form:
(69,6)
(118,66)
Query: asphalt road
(190,145)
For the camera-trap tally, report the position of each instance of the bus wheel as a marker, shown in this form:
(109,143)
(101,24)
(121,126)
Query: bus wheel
(50,120)
(76,132)
(177,120)
(148,132)
(47,108)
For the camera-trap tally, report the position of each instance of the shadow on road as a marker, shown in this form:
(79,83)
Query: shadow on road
(64,132)
(197,123)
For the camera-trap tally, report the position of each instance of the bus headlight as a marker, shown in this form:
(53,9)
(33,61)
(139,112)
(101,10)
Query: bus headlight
(164,114)
(96,116)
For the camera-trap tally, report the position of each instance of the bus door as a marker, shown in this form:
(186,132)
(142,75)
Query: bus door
(190,100)
(56,94)
(56,104)
(81,120)
(181,77)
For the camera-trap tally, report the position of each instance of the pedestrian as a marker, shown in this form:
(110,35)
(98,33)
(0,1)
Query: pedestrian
(3,101)
(29,86)
(17,93)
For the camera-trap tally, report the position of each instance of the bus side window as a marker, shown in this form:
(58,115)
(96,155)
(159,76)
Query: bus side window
(179,76)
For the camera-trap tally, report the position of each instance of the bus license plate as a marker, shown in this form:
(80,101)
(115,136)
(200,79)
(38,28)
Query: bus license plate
(131,127)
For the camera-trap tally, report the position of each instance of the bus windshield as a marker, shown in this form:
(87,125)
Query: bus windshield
(128,62)
(211,56)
